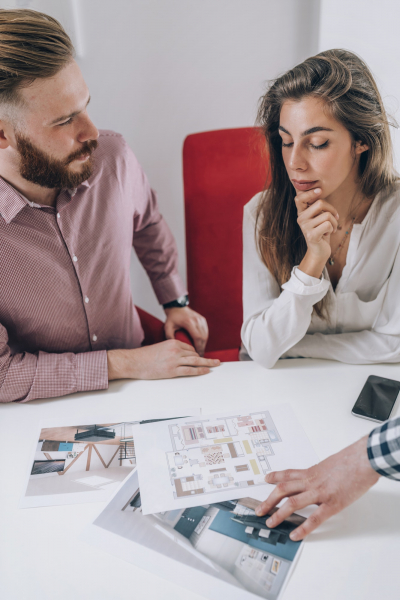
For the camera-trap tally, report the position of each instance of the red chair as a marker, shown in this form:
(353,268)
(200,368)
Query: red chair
(222,171)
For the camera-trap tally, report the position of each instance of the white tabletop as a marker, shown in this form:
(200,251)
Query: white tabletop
(355,556)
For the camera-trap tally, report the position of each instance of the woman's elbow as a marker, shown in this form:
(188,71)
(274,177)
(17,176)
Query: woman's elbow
(262,354)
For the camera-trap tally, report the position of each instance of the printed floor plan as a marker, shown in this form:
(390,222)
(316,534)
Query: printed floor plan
(220,454)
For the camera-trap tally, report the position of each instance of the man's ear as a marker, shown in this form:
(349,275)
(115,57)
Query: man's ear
(4,135)
(361,147)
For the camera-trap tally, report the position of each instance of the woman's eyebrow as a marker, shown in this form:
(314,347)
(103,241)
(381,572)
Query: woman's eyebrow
(308,131)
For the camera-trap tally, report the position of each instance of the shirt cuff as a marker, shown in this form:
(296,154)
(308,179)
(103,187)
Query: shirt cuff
(383,449)
(91,371)
(304,285)
(169,288)
(306,279)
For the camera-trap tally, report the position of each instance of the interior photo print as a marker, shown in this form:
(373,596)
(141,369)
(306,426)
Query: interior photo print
(80,463)
(224,540)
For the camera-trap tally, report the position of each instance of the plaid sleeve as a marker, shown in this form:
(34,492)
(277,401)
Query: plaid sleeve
(384,449)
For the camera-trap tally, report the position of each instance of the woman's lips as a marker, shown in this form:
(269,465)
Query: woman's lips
(304,185)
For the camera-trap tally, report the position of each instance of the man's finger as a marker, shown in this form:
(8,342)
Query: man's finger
(282,490)
(185,346)
(200,345)
(286,475)
(321,514)
(294,503)
(199,333)
(169,330)
(197,361)
(191,371)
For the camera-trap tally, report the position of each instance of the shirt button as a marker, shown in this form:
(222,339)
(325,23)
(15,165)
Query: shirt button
(58,215)
(94,337)
(86,299)
(74,258)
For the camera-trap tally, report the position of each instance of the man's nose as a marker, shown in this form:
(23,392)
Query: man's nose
(89,131)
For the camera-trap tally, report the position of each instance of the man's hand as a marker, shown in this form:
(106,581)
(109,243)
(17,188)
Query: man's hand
(333,484)
(159,361)
(186,318)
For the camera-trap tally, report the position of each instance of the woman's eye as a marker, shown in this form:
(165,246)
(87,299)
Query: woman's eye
(286,145)
(324,145)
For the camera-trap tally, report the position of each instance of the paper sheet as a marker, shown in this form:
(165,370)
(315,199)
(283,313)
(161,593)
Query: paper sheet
(219,457)
(219,551)
(73,463)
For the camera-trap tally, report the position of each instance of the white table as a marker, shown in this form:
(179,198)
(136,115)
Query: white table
(355,556)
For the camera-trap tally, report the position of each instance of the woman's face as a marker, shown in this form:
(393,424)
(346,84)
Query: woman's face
(317,150)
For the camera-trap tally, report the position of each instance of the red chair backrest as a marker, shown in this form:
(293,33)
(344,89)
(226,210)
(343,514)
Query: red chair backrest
(222,171)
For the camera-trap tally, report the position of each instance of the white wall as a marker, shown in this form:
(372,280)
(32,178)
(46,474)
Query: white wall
(371,29)
(159,70)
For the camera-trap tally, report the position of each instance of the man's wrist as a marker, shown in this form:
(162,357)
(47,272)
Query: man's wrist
(180,302)
(120,364)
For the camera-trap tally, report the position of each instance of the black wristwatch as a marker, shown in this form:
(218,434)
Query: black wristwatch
(180,302)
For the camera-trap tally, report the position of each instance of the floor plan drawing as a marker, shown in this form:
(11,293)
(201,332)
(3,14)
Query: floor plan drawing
(214,454)
(218,457)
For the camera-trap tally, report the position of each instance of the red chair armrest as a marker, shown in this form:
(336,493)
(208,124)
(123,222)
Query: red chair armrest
(154,330)
(183,336)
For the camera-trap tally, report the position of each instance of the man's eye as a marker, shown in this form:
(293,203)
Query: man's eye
(66,122)
(324,145)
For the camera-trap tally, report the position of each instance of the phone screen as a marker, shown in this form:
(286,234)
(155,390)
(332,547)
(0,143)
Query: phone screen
(377,398)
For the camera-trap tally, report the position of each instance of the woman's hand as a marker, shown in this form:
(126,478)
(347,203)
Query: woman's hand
(333,484)
(317,220)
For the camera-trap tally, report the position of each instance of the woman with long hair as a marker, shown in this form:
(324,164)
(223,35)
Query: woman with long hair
(321,268)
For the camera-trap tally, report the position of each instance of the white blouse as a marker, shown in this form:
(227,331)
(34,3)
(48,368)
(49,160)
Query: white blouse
(364,309)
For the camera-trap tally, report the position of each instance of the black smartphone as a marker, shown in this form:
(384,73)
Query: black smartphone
(377,399)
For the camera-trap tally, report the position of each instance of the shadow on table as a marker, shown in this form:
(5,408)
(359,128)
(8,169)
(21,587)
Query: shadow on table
(375,513)
(305,363)
(114,387)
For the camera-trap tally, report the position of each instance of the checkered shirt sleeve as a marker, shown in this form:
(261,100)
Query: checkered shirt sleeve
(384,449)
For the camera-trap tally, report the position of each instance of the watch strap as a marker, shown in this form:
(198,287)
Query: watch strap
(180,302)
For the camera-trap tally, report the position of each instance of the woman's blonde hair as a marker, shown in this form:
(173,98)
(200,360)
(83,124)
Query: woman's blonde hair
(32,45)
(346,85)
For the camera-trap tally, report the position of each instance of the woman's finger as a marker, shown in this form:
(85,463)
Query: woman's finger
(320,206)
(315,235)
(318,220)
(304,199)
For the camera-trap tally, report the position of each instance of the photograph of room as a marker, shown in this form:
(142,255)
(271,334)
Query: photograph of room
(226,540)
(81,458)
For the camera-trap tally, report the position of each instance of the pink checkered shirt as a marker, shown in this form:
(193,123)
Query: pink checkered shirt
(65,294)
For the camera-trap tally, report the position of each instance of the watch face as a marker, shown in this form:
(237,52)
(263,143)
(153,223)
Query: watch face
(183,300)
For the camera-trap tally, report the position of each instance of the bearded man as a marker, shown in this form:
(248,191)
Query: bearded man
(73,202)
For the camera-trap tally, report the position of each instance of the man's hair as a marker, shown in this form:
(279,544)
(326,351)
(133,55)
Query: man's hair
(32,46)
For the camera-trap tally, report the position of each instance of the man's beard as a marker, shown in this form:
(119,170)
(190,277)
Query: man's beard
(38,167)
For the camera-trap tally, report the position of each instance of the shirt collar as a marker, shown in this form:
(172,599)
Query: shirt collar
(12,202)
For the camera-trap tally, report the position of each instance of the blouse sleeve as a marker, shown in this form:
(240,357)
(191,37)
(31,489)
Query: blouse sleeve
(379,344)
(274,320)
